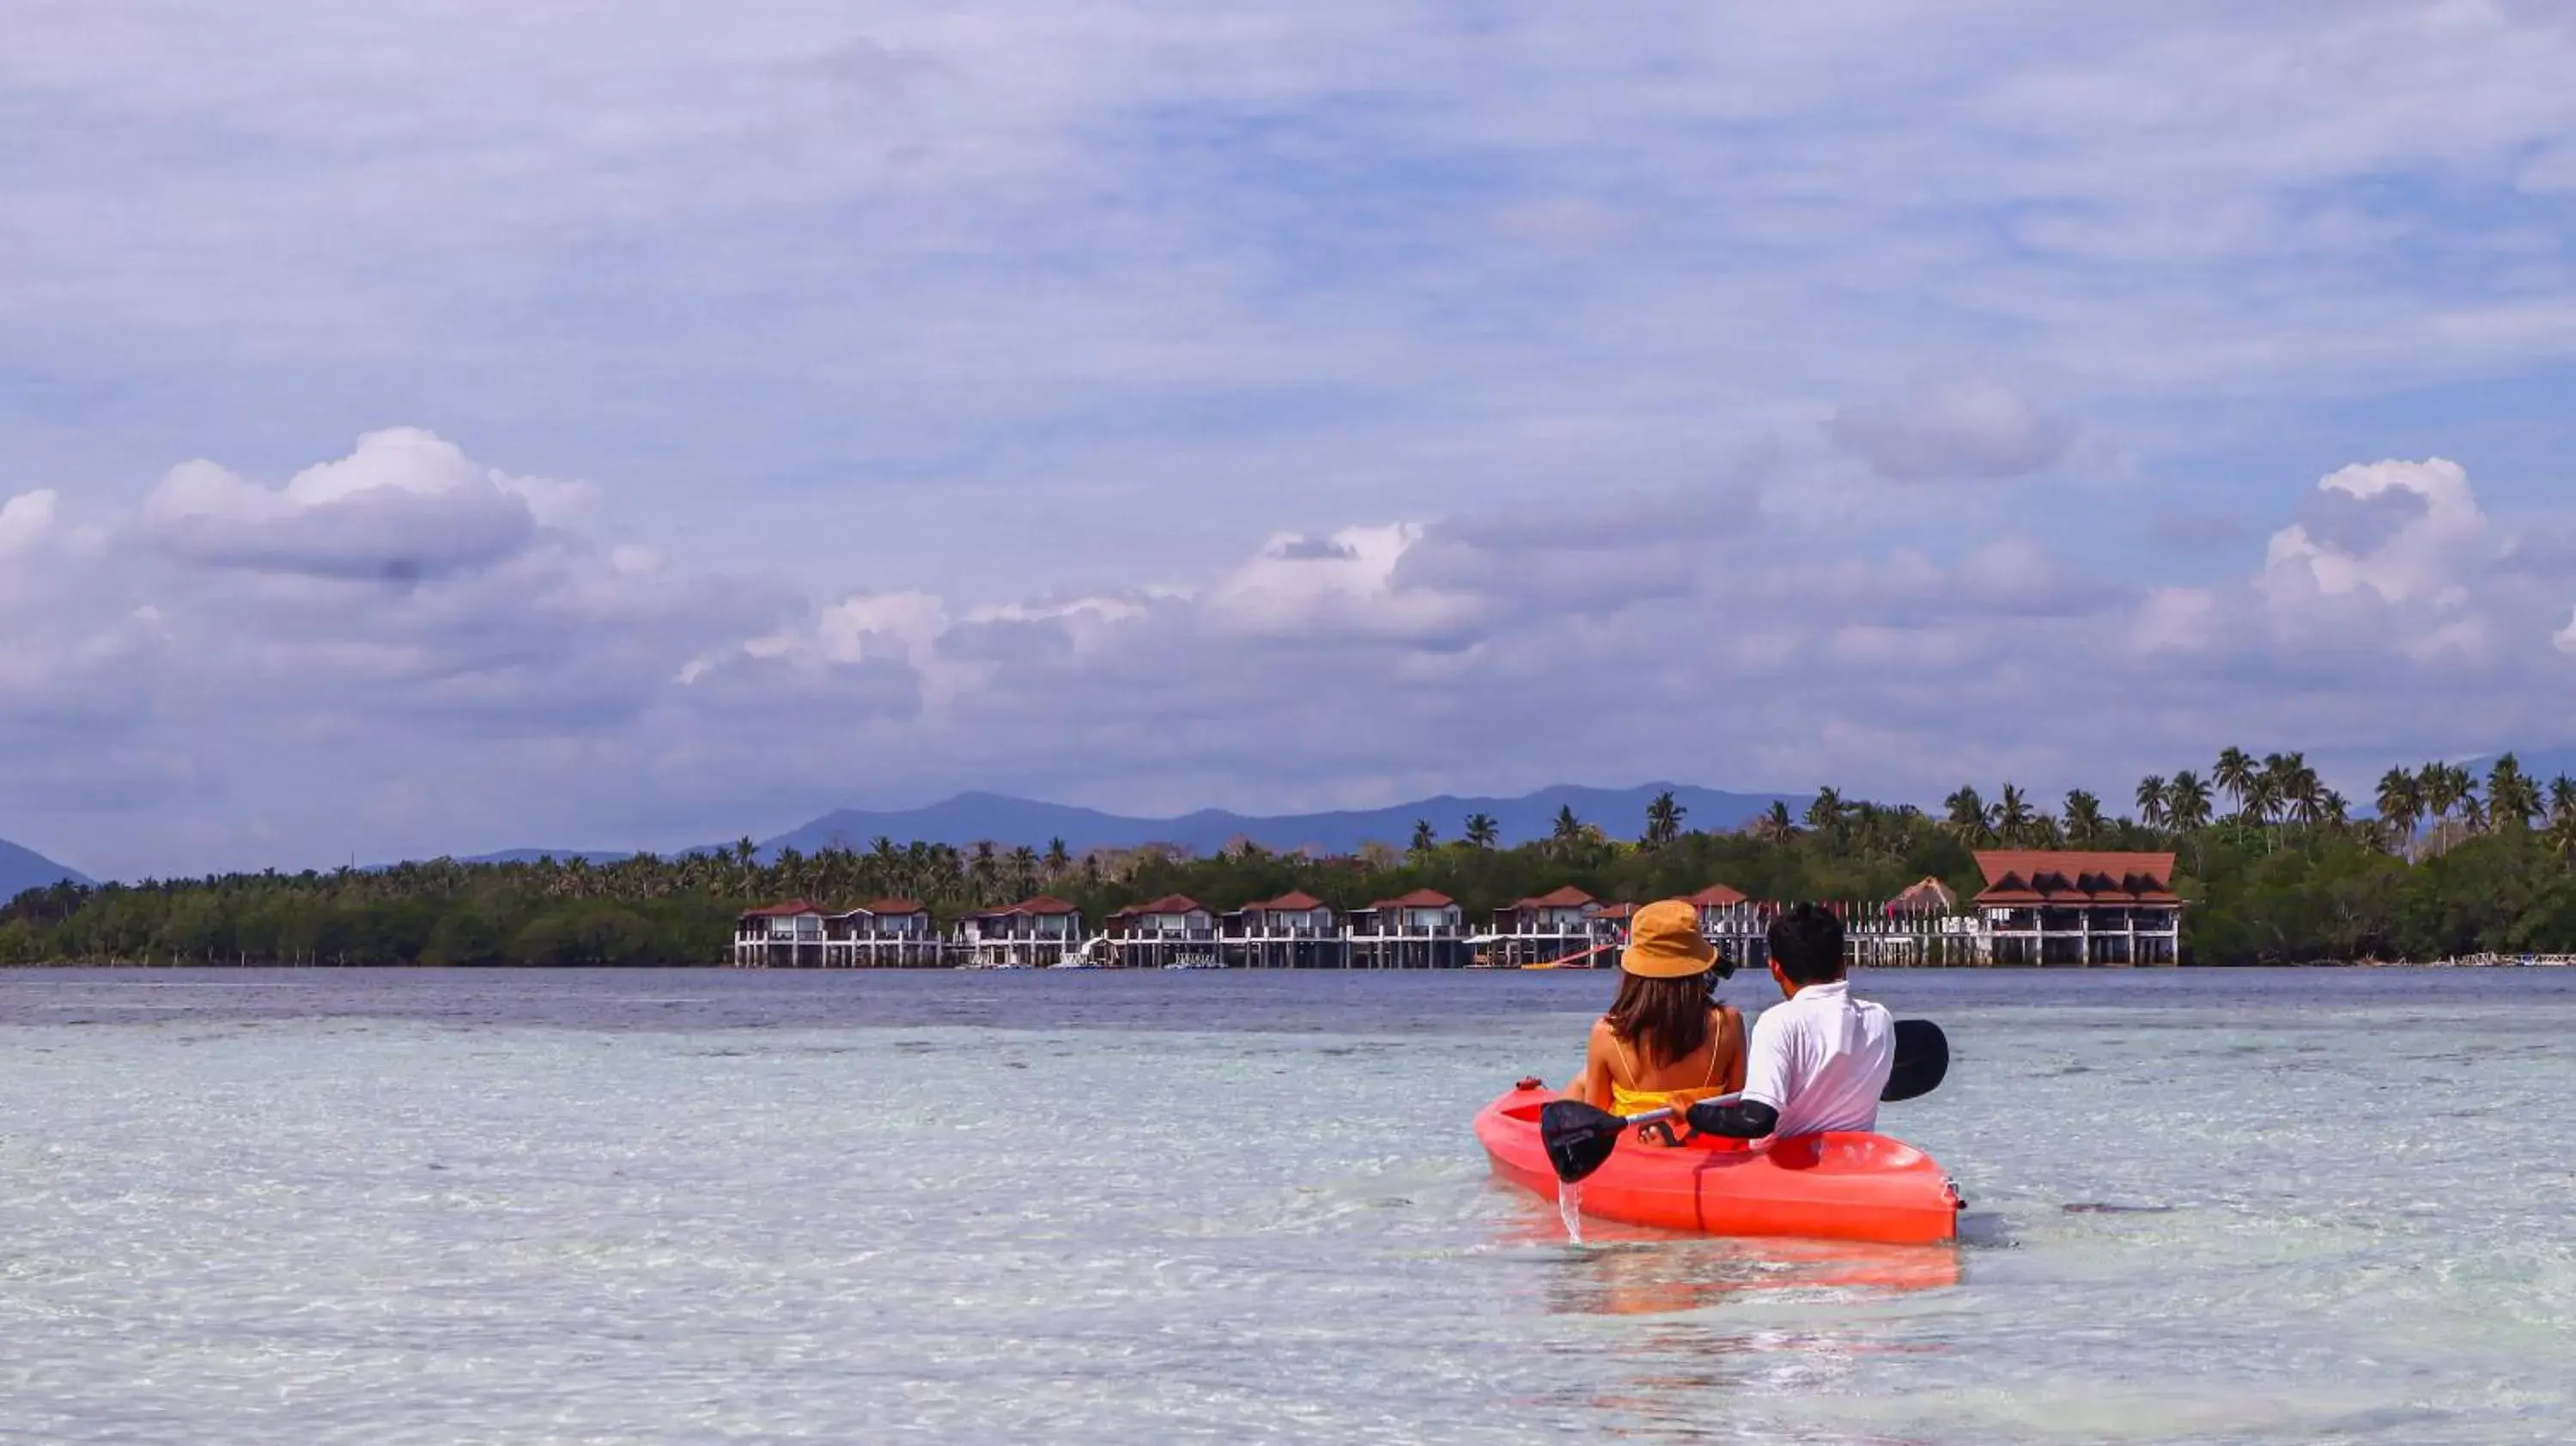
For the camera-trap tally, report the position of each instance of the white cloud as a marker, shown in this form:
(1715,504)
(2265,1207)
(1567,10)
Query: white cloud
(2176,620)
(404,505)
(2410,531)
(1349,588)
(741,262)
(573,692)
(25,520)
(1952,425)
(1008,362)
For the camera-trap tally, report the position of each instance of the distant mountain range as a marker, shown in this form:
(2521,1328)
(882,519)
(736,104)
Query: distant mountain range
(22,869)
(529,856)
(975,817)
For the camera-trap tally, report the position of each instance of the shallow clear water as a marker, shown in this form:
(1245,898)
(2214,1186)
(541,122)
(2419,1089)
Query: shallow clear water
(686,1206)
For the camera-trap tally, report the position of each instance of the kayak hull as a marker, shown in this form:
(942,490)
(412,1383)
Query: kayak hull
(1842,1186)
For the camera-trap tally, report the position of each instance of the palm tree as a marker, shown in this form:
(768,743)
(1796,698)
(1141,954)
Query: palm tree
(1663,820)
(1825,812)
(2187,801)
(2302,795)
(2013,815)
(2474,817)
(980,880)
(2561,837)
(2401,808)
(2151,802)
(1425,837)
(2234,776)
(2465,784)
(2263,797)
(2512,796)
(1482,831)
(2083,818)
(1967,817)
(1774,825)
(1568,830)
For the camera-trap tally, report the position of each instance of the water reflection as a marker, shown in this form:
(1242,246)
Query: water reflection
(1631,1270)
(1800,1318)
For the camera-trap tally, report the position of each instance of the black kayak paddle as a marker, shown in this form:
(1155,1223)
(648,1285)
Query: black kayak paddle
(1580,1139)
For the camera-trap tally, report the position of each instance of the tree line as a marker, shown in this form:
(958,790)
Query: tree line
(2451,863)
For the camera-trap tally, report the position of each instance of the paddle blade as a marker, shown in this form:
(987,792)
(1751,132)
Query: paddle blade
(1578,1138)
(1922,1060)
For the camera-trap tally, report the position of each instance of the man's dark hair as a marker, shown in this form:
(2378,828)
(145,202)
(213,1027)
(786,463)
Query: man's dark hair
(1807,944)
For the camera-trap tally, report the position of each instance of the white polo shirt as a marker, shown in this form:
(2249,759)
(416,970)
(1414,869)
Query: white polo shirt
(1820,1057)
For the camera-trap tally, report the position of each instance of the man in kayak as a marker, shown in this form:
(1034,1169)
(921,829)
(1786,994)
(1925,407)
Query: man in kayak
(1818,1060)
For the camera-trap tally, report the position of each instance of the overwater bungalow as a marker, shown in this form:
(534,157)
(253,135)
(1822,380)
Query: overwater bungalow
(2038,907)
(1424,929)
(1174,929)
(1040,932)
(780,936)
(1561,927)
(2113,910)
(883,934)
(1294,931)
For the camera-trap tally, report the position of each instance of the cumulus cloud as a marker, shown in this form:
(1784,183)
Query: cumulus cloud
(2403,530)
(1951,426)
(25,519)
(573,691)
(405,505)
(1349,590)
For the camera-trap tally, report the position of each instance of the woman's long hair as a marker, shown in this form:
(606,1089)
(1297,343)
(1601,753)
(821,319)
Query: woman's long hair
(1664,1020)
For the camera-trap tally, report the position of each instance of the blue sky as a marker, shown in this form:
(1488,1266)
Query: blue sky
(448,428)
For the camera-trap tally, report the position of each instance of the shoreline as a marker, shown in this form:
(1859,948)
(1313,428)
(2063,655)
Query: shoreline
(2468,961)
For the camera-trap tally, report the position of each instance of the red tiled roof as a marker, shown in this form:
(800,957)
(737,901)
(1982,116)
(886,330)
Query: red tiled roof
(1418,899)
(1717,896)
(1168,904)
(2068,876)
(1618,911)
(1925,896)
(1292,902)
(788,910)
(1568,897)
(883,907)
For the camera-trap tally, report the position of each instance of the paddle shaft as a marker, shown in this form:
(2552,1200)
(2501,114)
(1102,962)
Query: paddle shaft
(1670,1112)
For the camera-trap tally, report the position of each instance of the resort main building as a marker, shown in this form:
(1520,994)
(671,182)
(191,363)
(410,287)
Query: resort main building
(2057,908)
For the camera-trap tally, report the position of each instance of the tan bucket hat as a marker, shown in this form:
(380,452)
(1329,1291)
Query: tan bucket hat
(1664,942)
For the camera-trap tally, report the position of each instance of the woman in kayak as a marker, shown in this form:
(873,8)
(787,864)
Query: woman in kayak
(1666,1040)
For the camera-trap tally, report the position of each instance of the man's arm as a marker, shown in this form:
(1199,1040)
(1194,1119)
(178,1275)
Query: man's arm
(1756,1112)
(1741,1119)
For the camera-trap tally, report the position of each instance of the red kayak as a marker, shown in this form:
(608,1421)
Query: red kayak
(1828,1187)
